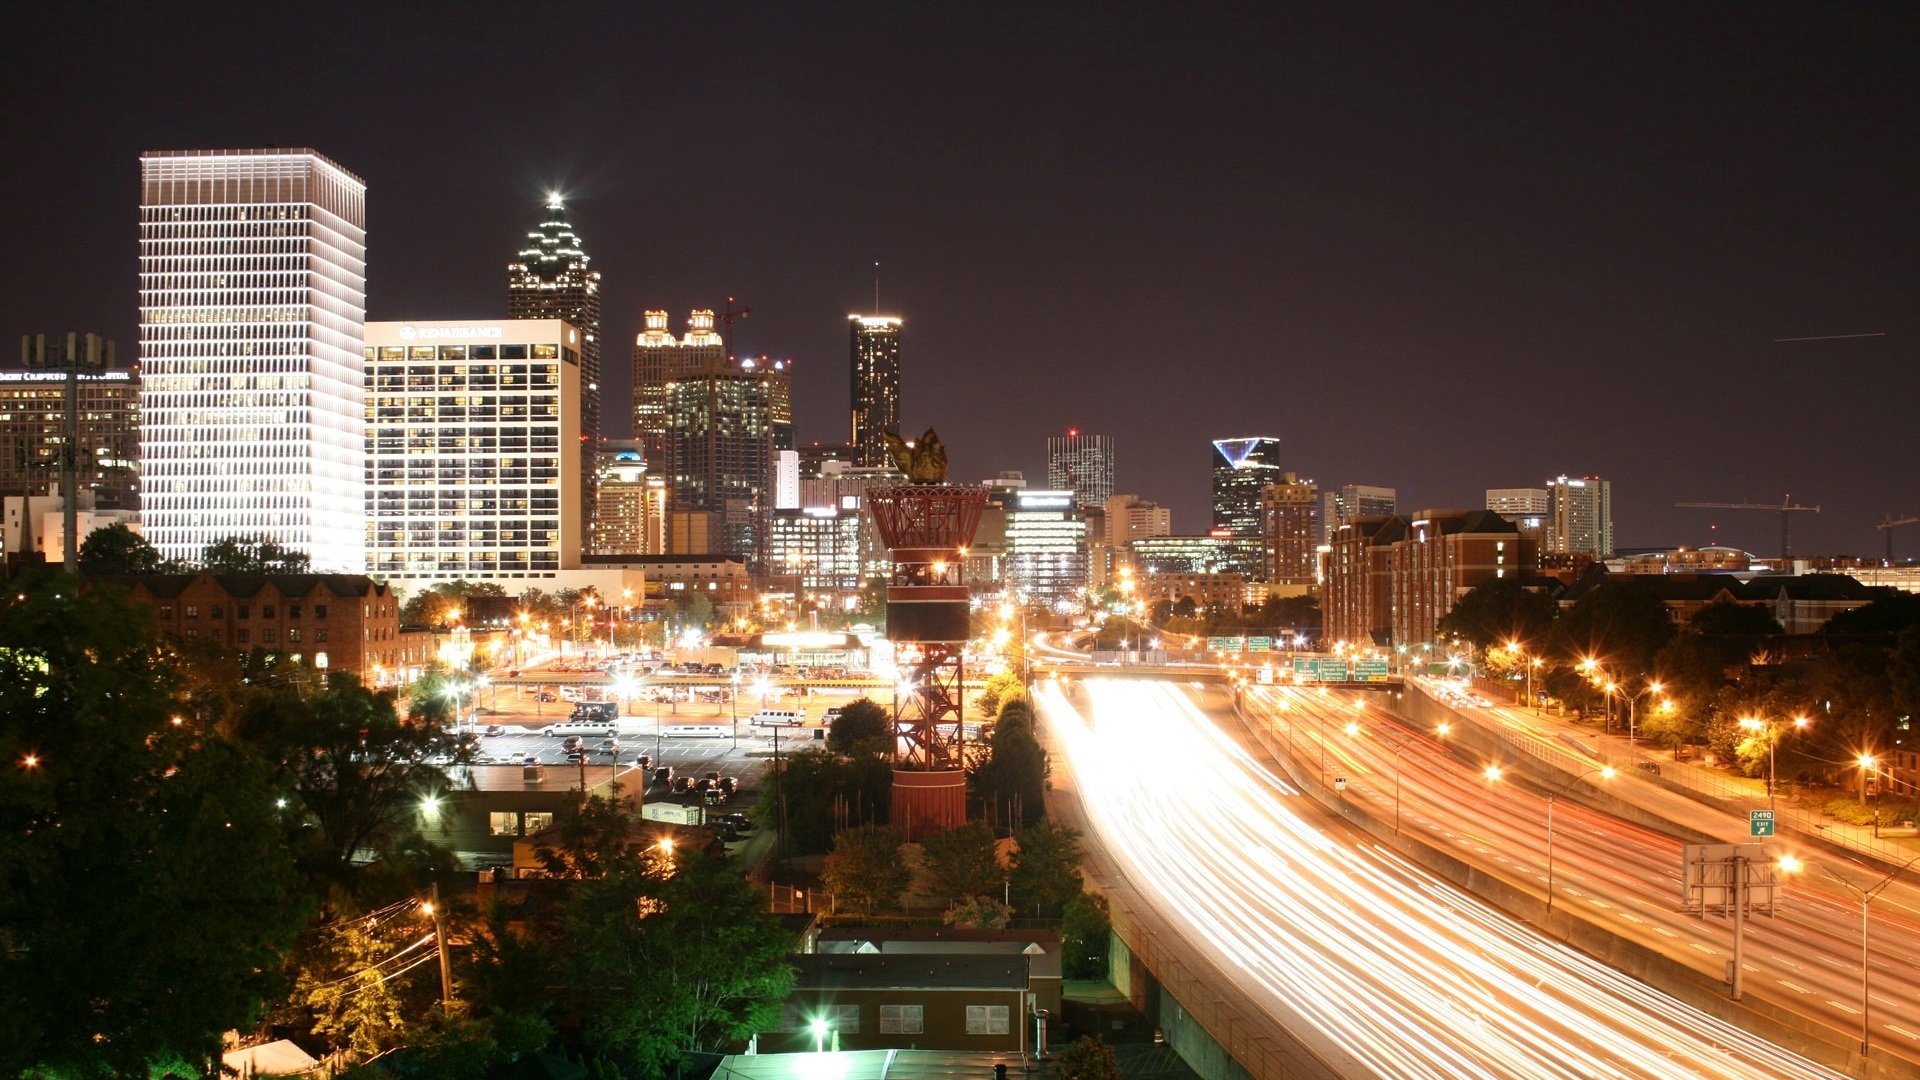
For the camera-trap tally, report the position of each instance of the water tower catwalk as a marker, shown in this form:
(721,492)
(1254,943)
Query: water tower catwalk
(927,524)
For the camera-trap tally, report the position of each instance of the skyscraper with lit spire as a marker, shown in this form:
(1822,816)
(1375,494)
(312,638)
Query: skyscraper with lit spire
(551,280)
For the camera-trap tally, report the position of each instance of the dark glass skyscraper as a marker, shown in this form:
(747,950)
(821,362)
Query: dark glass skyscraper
(551,280)
(1082,464)
(876,386)
(725,419)
(1241,469)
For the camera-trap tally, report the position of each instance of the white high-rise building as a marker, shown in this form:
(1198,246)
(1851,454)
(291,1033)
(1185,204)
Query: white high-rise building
(1511,503)
(1580,516)
(473,450)
(252,314)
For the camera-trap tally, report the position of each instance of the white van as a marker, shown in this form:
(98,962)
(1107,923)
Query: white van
(696,731)
(580,727)
(777,718)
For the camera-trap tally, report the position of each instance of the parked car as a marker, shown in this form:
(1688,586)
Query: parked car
(610,747)
(729,784)
(738,820)
(545,695)
(570,743)
(713,797)
(663,775)
(645,761)
(682,784)
(496,729)
(575,757)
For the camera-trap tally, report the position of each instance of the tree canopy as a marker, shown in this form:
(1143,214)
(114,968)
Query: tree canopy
(865,867)
(147,894)
(963,863)
(1502,610)
(117,549)
(863,727)
(253,555)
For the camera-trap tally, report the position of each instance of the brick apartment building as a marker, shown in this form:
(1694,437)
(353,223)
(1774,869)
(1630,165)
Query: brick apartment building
(343,622)
(1391,580)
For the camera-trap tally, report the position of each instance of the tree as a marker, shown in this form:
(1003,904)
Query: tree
(1086,927)
(863,727)
(1087,1058)
(147,896)
(362,776)
(865,866)
(999,688)
(252,555)
(979,913)
(963,863)
(1621,626)
(1046,866)
(1691,673)
(1012,781)
(366,981)
(117,549)
(1498,611)
(674,958)
(1877,622)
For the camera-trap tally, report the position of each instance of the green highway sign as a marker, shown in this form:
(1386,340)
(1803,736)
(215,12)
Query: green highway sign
(1259,644)
(1370,670)
(1760,822)
(1225,644)
(1333,670)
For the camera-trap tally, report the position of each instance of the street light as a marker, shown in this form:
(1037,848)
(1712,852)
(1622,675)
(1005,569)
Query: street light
(1606,773)
(1867,896)
(1632,700)
(1529,663)
(1772,729)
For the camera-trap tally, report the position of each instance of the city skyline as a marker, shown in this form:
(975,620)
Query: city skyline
(1604,230)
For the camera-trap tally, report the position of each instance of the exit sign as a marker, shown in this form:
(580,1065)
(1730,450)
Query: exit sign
(1760,822)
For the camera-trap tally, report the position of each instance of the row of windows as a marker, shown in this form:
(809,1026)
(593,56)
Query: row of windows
(243,611)
(389,354)
(263,215)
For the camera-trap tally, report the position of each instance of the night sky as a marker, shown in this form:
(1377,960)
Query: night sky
(1434,252)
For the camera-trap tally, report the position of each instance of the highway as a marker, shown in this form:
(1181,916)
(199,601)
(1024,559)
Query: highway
(1405,975)
(1805,957)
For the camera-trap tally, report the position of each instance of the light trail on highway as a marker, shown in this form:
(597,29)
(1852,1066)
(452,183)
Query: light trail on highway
(1406,975)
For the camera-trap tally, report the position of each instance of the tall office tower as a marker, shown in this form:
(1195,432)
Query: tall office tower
(876,386)
(1046,546)
(252,310)
(1130,518)
(1082,464)
(630,516)
(1242,468)
(658,359)
(1580,516)
(1289,530)
(550,280)
(1511,503)
(1343,504)
(106,408)
(473,443)
(726,418)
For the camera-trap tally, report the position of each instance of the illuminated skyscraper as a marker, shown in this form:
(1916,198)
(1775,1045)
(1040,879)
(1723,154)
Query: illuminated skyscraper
(658,359)
(472,450)
(725,419)
(1082,464)
(551,280)
(876,386)
(252,313)
(33,415)
(1242,468)
(1288,512)
(1580,516)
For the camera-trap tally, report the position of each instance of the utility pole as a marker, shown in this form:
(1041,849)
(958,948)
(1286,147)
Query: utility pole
(440,943)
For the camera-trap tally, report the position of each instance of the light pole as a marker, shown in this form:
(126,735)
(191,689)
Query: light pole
(733,703)
(1867,896)
(1606,773)
(1632,700)
(1772,729)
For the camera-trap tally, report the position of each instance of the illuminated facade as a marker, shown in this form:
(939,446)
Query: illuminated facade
(1242,468)
(1348,502)
(473,445)
(1440,558)
(252,309)
(1130,518)
(818,545)
(876,386)
(1082,464)
(1288,531)
(33,420)
(630,516)
(1194,554)
(1580,516)
(658,359)
(1046,545)
(725,420)
(551,280)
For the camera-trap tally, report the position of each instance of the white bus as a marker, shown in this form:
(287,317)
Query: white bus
(696,731)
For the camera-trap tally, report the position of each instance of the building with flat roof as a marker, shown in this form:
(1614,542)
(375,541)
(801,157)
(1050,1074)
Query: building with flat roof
(33,420)
(1580,516)
(1289,532)
(472,450)
(630,514)
(874,362)
(1082,464)
(1349,501)
(1046,544)
(658,359)
(252,311)
(726,419)
(1512,503)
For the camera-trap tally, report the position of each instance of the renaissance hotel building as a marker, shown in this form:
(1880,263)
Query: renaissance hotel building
(473,450)
(252,302)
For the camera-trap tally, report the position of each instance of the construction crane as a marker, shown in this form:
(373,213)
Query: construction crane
(1888,526)
(727,319)
(1785,507)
